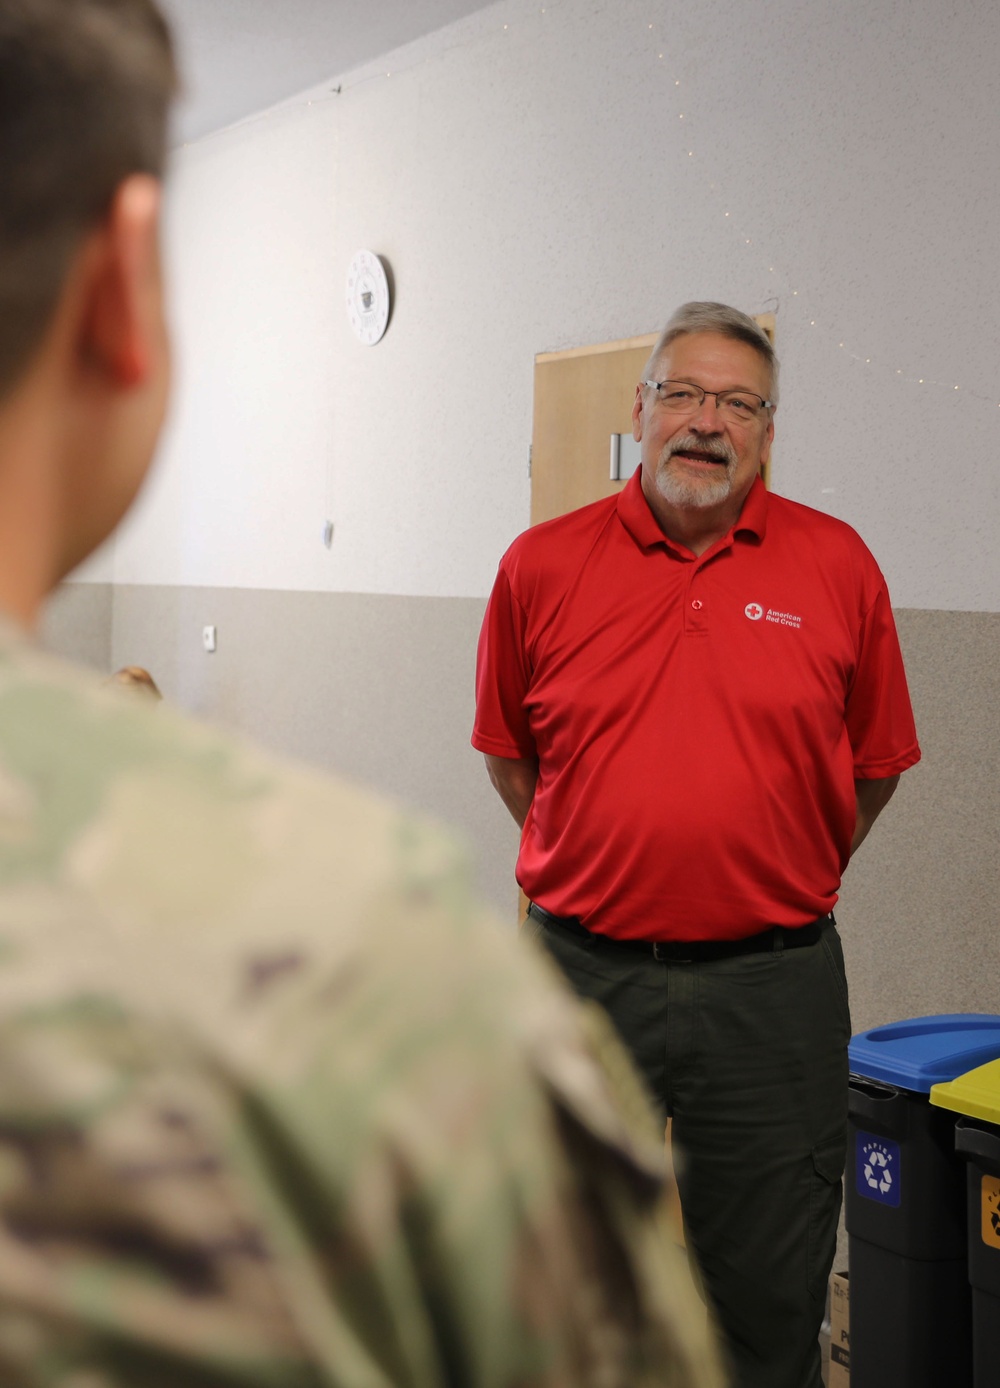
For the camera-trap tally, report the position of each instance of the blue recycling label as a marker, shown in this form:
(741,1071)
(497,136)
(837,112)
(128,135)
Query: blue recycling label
(877,1168)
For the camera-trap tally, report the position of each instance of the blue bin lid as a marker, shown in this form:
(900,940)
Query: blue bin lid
(923,1051)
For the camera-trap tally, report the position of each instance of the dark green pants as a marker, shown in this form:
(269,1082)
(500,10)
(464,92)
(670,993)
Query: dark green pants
(748,1055)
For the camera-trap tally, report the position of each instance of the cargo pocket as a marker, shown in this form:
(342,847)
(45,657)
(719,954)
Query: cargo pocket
(824,1212)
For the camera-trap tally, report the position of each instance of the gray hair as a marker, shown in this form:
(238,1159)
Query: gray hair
(707,317)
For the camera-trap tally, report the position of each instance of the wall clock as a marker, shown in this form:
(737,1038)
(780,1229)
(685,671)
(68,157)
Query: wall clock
(367,297)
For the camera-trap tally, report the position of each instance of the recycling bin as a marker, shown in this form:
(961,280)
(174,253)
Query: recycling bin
(911,1318)
(976,1096)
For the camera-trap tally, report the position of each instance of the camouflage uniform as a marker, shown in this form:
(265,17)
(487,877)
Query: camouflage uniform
(277,1108)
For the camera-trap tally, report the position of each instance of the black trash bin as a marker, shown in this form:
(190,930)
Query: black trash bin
(976,1096)
(911,1319)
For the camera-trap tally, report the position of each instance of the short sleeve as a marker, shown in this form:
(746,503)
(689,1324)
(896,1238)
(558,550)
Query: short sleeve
(503,673)
(879,715)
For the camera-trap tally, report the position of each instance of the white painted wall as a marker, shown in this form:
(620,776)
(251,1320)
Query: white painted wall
(544,175)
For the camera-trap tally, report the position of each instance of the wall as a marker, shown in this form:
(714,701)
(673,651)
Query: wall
(78,623)
(541,176)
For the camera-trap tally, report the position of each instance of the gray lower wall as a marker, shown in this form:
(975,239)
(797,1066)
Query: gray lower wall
(77,624)
(920,907)
(381,688)
(378,688)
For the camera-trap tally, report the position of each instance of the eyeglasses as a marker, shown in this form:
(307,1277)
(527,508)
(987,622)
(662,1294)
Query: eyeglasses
(735,406)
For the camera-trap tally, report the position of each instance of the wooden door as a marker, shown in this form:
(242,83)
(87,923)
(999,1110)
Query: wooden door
(582,397)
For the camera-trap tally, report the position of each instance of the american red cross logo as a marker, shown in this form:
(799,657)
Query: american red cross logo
(754,611)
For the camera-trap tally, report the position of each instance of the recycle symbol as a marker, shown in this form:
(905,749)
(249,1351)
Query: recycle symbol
(877,1172)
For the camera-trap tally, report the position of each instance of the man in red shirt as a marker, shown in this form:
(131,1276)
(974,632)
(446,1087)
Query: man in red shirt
(692,700)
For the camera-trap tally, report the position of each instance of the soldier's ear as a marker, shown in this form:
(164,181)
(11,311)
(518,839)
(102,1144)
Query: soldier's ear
(122,294)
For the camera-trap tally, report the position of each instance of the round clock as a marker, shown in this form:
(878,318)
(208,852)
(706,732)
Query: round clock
(367,297)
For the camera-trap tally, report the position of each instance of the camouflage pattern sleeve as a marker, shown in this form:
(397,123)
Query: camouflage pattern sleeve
(279,1107)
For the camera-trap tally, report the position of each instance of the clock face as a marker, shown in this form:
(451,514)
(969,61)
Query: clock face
(367,297)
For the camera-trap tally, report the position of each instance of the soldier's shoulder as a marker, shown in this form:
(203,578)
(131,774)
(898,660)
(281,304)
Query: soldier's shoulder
(135,830)
(288,918)
(186,872)
(277,978)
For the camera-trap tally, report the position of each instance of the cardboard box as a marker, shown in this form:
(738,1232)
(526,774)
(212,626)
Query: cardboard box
(840,1331)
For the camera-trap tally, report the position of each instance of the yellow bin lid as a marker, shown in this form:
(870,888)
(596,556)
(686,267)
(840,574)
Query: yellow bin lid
(976,1093)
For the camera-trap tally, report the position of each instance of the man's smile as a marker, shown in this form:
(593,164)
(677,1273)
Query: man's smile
(700,452)
(692,456)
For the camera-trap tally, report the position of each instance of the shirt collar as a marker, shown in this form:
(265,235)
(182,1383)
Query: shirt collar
(753,517)
(635,514)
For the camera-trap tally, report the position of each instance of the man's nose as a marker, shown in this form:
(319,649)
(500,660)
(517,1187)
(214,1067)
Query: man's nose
(706,417)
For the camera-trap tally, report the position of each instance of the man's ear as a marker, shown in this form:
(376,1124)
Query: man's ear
(765,448)
(637,415)
(123,294)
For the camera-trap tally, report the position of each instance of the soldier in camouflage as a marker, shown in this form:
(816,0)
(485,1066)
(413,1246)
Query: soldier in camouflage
(278,1106)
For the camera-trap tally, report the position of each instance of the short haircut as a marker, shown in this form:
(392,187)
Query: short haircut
(85,89)
(707,317)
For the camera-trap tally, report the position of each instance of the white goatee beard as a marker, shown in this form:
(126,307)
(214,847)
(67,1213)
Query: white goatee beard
(685,490)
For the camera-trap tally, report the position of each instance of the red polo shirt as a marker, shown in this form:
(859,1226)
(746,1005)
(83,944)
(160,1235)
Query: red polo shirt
(699,722)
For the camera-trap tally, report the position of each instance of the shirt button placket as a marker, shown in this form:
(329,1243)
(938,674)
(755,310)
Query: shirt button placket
(694,615)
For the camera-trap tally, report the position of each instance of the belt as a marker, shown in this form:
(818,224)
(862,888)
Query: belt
(773,940)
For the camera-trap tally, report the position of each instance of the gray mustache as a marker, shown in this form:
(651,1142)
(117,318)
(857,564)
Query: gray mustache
(714,447)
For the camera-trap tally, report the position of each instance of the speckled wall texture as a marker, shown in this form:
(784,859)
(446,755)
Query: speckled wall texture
(544,176)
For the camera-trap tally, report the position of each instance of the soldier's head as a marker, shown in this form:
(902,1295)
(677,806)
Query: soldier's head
(85,89)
